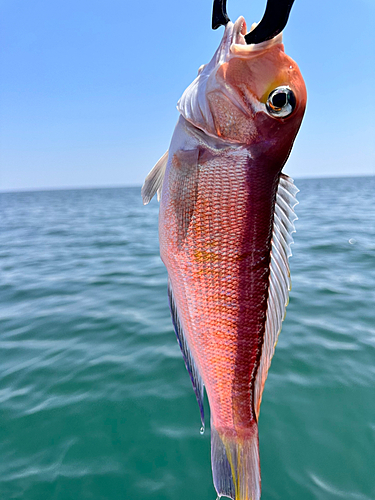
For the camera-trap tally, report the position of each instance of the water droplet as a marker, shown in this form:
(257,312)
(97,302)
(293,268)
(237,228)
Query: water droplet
(352,241)
(201,430)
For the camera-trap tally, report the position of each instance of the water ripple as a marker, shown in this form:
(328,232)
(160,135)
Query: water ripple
(95,399)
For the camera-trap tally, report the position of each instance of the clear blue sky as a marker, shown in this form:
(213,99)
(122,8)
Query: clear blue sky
(88,89)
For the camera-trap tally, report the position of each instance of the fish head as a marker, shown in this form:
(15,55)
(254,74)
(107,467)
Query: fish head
(252,94)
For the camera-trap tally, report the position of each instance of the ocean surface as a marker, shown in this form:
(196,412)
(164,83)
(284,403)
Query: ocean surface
(95,401)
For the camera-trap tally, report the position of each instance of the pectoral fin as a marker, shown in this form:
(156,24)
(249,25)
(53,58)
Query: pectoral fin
(154,181)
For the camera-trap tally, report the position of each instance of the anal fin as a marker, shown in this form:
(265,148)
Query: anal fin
(189,361)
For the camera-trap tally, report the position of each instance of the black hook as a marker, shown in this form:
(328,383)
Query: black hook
(219,14)
(273,22)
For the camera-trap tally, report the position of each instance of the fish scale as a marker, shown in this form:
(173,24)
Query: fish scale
(225,253)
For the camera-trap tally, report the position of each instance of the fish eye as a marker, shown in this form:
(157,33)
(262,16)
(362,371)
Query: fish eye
(281,102)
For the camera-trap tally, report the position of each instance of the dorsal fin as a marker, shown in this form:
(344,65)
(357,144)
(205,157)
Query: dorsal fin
(189,361)
(279,284)
(154,180)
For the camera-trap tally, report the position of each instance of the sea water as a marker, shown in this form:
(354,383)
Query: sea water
(95,401)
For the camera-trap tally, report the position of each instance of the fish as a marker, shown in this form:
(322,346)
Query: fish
(226,220)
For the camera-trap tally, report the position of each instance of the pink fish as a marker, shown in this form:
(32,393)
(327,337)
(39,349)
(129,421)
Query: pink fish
(225,225)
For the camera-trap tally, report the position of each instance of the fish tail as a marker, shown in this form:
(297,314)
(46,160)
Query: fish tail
(235,463)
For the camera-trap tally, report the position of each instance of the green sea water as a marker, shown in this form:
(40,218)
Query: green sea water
(95,401)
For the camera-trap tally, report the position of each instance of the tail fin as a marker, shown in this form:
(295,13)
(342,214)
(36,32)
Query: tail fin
(235,463)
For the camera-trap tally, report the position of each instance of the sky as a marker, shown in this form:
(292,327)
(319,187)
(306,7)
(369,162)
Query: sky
(88,88)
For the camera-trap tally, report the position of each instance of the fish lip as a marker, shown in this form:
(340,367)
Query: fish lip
(239,32)
(238,45)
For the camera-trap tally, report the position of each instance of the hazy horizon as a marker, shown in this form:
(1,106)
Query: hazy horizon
(138,186)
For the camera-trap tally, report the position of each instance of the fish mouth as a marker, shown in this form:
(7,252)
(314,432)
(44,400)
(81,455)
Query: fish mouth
(239,32)
(239,45)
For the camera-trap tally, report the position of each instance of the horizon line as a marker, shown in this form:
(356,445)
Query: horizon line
(124,186)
